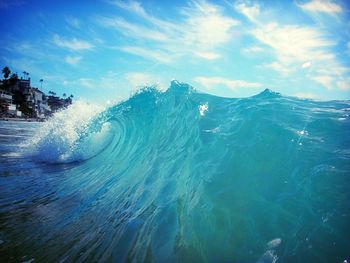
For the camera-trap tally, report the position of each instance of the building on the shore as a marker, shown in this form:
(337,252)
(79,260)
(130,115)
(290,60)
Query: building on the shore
(18,97)
(21,85)
(30,99)
(37,101)
(7,98)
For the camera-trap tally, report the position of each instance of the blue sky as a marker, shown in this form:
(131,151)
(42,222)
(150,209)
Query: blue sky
(104,50)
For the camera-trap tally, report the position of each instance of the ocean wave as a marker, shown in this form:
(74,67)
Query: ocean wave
(185,176)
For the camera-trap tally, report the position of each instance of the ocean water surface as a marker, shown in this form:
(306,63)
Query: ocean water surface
(179,176)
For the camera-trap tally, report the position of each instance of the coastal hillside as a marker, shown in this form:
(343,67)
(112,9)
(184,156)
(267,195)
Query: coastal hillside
(18,99)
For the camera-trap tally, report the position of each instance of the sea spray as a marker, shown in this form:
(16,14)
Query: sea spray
(60,138)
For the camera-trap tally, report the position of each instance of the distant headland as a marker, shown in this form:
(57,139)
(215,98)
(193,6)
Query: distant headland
(20,101)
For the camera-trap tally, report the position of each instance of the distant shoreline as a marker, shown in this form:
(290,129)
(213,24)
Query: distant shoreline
(22,119)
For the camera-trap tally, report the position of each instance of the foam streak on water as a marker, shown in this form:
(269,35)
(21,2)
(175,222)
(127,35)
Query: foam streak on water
(179,176)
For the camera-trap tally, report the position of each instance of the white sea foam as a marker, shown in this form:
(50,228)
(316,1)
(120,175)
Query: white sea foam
(57,138)
(203,108)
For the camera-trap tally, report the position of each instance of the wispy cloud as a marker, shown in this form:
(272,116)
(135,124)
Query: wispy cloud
(294,43)
(72,60)
(344,84)
(324,80)
(253,49)
(131,6)
(250,11)
(297,47)
(157,56)
(133,30)
(307,64)
(211,82)
(136,8)
(201,32)
(72,44)
(207,55)
(323,6)
(206,26)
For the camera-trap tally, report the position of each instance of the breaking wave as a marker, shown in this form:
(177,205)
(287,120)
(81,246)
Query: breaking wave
(182,176)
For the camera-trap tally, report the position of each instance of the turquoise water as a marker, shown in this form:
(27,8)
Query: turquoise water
(179,176)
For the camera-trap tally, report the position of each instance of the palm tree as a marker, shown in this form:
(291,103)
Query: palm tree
(64,95)
(71,96)
(6,71)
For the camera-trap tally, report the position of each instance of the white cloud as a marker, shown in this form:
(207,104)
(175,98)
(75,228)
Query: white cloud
(344,84)
(132,30)
(294,43)
(332,68)
(72,60)
(158,56)
(306,64)
(137,9)
(131,6)
(72,44)
(211,82)
(253,49)
(297,47)
(207,55)
(325,80)
(324,6)
(251,12)
(201,32)
(206,26)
